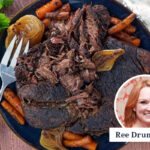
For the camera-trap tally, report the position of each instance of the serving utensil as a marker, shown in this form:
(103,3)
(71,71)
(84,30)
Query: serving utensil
(7,72)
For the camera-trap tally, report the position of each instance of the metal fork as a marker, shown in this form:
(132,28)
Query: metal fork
(7,73)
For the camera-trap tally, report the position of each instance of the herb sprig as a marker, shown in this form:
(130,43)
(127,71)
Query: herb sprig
(4,21)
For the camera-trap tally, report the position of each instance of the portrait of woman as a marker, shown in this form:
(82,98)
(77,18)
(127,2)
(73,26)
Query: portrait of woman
(137,108)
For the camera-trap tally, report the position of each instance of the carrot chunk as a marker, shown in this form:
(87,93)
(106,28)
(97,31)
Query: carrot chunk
(46,22)
(13,99)
(51,6)
(91,146)
(71,136)
(13,112)
(122,25)
(130,29)
(78,143)
(57,15)
(127,38)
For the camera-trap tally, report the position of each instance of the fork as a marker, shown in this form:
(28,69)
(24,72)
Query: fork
(7,73)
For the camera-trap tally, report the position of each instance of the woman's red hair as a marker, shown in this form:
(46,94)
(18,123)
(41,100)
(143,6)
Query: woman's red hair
(130,114)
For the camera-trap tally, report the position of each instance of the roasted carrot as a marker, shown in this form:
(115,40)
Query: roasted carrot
(13,99)
(57,15)
(46,22)
(127,38)
(71,136)
(129,29)
(51,6)
(136,41)
(122,25)
(114,20)
(65,8)
(12,111)
(76,140)
(91,146)
(78,143)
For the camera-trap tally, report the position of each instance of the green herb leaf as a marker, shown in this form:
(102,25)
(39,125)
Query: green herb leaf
(4,21)
(5,3)
(1,4)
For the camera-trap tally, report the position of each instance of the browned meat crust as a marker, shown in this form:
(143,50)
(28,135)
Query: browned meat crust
(57,81)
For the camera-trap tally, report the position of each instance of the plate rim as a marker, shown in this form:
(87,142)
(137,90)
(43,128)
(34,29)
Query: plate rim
(12,18)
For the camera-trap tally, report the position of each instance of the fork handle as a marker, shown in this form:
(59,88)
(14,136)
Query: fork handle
(2,91)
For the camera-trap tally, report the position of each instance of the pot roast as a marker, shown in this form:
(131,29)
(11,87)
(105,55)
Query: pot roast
(57,81)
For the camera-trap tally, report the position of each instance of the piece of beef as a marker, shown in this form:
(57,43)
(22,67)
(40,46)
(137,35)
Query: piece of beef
(57,28)
(88,75)
(57,89)
(87,28)
(43,69)
(71,82)
(57,40)
(47,74)
(51,48)
(73,44)
(43,92)
(73,29)
(56,31)
(87,63)
(63,65)
(93,28)
(97,123)
(88,101)
(133,62)
(45,117)
(103,16)
(44,105)
(76,19)
(28,64)
(35,65)
(78,96)
(83,49)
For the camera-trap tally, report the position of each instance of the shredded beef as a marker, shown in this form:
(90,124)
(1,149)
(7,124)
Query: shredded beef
(71,82)
(63,60)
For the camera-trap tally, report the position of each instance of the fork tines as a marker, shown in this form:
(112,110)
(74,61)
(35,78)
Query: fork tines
(9,50)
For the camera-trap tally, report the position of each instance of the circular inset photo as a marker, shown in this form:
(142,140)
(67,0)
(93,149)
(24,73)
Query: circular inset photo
(132,102)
